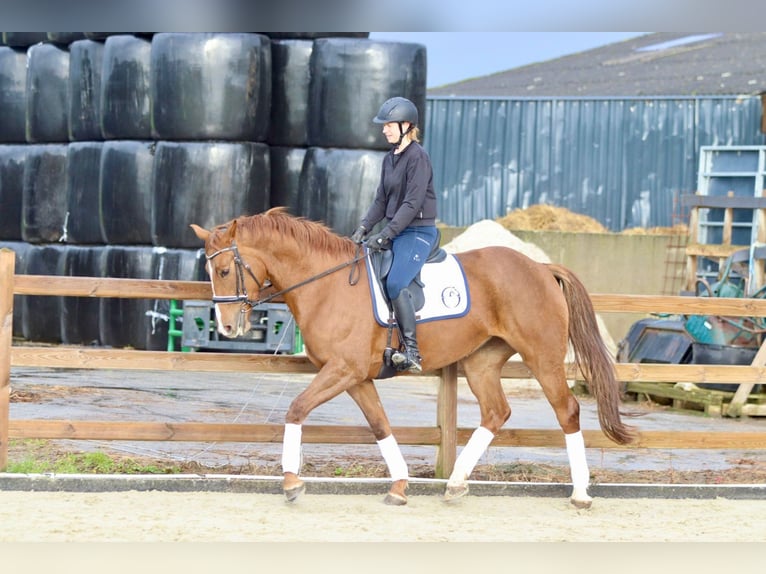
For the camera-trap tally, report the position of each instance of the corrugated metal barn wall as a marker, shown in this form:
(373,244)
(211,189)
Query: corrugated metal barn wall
(620,161)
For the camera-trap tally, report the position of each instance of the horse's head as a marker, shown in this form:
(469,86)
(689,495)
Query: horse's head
(232,278)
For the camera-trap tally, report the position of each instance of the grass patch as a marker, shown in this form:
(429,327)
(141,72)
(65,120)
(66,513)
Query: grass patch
(41,457)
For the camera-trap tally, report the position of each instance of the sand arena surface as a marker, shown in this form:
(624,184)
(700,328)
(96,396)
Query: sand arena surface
(217,517)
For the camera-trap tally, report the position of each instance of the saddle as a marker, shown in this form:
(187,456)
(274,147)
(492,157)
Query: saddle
(381,262)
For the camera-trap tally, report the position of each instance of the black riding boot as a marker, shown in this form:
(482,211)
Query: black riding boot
(404,311)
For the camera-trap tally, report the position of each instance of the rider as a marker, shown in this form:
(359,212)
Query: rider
(406,198)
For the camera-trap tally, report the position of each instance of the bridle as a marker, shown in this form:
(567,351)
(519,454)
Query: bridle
(241,267)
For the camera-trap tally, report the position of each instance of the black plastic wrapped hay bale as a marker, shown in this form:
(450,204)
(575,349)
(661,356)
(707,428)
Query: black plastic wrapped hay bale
(127,322)
(47,94)
(23,39)
(44,199)
(172,265)
(12,158)
(291,80)
(286,167)
(13,95)
(126,88)
(105,35)
(211,86)
(351,79)
(85,62)
(338,185)
(65,38)
(83,168)
(206,183)
(126,190)
(316,35)
(80,315)
(179,264)
(21,249)
(41,314)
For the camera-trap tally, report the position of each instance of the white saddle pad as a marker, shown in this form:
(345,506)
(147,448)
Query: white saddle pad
(446,292)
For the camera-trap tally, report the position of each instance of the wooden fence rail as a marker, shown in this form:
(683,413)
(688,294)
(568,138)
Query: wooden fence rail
(445,435)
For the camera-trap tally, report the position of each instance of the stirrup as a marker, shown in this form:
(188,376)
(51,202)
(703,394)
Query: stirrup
(407,361)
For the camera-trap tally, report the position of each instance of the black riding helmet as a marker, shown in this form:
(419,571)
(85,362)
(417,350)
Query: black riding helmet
(398,110)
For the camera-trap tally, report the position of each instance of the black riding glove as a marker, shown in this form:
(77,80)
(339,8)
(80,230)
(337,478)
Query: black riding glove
(358,235)
(378,242)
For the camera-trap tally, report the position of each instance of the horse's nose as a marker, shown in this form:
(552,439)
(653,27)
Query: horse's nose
(226,330)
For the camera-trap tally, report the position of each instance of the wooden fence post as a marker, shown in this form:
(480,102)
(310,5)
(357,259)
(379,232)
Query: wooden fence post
(446,420)
(7,265)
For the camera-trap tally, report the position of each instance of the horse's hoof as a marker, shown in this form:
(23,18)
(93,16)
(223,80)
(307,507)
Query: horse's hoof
(294,492)
(396,496)
(293,486)
(454,492)
(581,504)
(393,499)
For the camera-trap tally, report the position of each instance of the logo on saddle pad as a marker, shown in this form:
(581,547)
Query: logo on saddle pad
(445,292)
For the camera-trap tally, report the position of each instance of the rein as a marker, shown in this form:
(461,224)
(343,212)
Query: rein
(242,266)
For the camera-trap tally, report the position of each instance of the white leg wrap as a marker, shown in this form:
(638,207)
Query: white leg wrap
(392,454)
(291,449)
(470,455)
(578,465)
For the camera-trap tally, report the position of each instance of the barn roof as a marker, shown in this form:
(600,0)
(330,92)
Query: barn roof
(658,64)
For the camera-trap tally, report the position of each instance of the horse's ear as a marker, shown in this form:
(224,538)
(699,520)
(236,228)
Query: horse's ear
(231,231)
(203,234)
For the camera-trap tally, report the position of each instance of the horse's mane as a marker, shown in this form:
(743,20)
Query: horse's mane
(313,234)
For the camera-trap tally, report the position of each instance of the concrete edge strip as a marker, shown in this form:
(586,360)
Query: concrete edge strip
(368,486)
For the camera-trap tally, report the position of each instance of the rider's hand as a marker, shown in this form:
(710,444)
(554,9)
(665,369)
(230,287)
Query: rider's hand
(378,242)
(358,235)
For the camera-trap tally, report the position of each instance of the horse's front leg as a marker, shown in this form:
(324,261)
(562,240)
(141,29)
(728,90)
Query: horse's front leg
(366,396)
(333,378)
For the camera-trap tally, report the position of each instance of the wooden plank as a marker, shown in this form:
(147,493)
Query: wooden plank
(651,372)
(646,439)
(726,306)
(669,390)
(181,290)
(86,358)
(691,260)
(111,287)
(728,218)
(713,250)
(446,420)
(746,387)
(210,432)
(341,434)
(723,202)
(751,410)
(7,263)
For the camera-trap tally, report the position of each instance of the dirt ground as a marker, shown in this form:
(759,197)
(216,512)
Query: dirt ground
(217,517)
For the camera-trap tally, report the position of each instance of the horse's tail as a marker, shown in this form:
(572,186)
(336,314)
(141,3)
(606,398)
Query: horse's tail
(592,356)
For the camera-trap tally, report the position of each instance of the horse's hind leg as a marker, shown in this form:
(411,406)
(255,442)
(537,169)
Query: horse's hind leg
(567,409)
(366,396)
(482,371)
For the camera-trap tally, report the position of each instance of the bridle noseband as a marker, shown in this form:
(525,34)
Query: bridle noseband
(242,267)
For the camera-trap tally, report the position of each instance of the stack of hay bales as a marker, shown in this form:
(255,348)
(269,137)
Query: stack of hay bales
(112,144)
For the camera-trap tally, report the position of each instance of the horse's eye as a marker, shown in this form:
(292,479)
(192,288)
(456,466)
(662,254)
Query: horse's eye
(223,273)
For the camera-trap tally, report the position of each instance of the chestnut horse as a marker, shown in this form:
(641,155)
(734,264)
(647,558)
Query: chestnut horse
(517,306)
